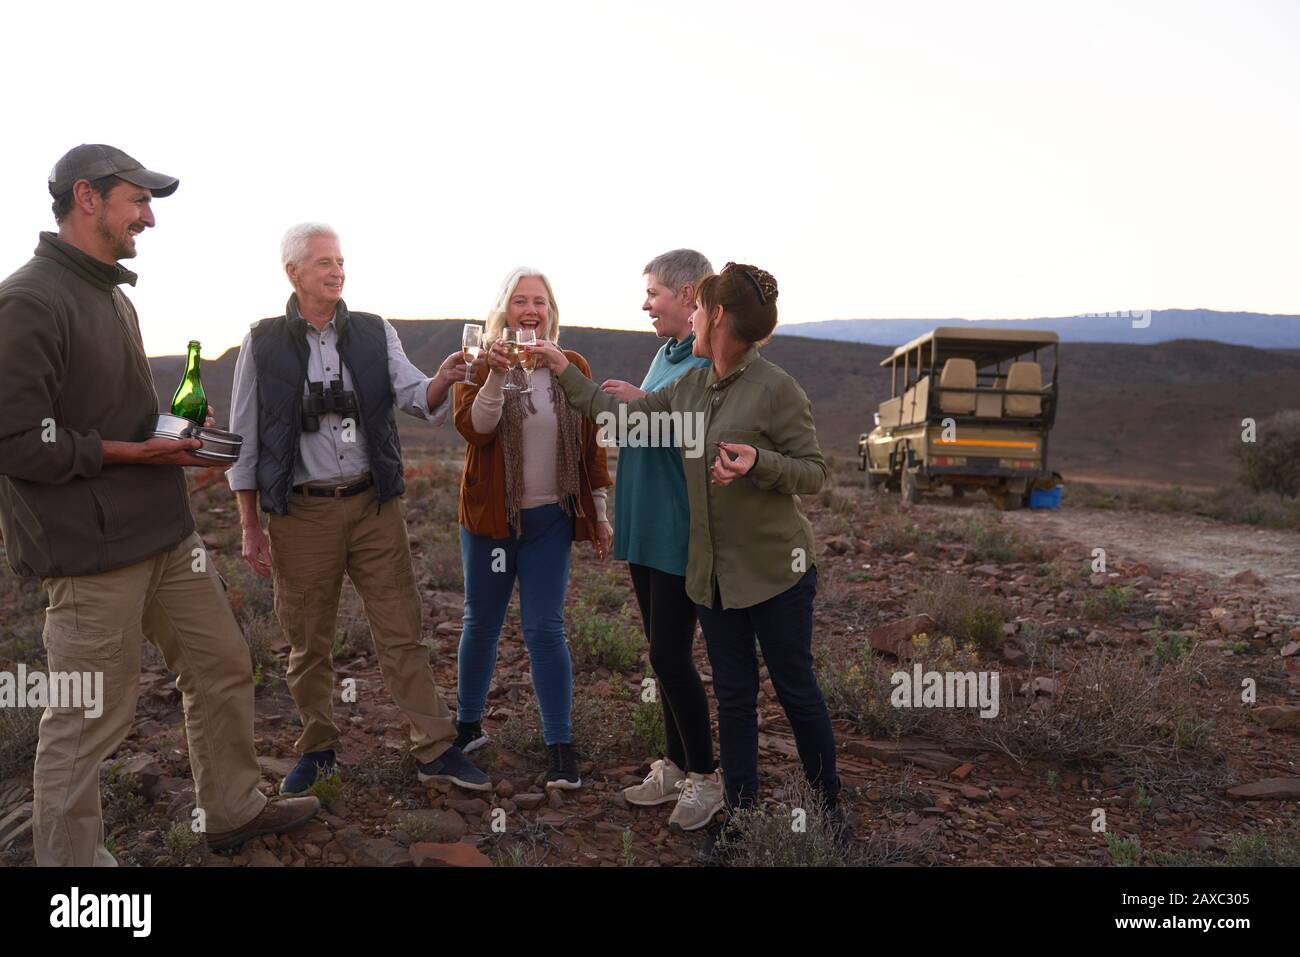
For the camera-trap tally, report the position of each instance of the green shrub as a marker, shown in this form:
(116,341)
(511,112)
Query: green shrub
(648,726)
(184,846)
(1113,602)
(1123,853)
(351,639)
(1172,645)
(327,789)
(120,796)
(1272,462)
(604,594)
(598,640)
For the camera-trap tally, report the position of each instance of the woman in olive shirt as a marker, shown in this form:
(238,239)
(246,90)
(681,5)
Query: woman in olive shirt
(749,565)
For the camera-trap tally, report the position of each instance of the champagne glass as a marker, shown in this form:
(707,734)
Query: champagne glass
(511,338)
(527,359)
(471,343)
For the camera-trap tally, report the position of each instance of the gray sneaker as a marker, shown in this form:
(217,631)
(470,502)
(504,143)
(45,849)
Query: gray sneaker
(659,787)
(702,797)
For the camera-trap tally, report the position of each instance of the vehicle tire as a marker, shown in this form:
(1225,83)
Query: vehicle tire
(875,481)
(958,491)
(1008,501)
(911,494)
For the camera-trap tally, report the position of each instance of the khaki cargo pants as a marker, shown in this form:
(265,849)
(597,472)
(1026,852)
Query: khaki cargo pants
(97,623)
(311,548)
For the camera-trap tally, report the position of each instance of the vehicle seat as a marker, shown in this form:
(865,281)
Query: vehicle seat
(1025,376)
(957,374)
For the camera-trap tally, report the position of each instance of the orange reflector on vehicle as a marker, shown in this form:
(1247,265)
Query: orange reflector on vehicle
(992,443)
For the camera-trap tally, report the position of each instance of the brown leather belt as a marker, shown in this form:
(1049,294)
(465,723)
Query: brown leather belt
(335,491)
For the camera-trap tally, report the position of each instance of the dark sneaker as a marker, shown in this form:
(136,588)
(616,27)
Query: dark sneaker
(563,772)
(840,827)
(278,816)
(310,768)
(469,735)
(453,766)
(717,850)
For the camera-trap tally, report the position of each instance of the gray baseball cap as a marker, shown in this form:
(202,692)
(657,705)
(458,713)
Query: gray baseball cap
(94,160)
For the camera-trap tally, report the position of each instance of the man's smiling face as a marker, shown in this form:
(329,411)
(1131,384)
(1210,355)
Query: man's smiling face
(123,214)
(319,277)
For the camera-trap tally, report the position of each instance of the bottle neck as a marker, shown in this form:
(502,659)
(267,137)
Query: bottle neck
(192,362)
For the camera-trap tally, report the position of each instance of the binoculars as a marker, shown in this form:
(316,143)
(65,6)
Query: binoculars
(320,399)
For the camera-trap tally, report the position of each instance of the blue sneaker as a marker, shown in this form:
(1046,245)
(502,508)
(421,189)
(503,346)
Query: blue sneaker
(453,766)
(310,768)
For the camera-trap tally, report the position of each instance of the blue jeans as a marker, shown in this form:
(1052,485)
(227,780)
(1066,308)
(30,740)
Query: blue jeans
(539,557)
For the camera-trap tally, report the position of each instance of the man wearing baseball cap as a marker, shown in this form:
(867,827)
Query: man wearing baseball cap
(99,511)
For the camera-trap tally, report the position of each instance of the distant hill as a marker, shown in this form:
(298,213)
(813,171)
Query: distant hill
(1168,412)
(1237,328)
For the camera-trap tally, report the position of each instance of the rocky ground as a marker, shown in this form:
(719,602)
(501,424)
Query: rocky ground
(1149,710)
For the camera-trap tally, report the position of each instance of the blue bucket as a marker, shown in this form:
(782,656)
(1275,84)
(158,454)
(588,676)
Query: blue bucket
(1045,498)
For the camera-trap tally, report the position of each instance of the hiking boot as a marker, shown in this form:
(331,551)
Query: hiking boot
(469,736)
(454,767)
(311,767)
(278,816)
(659,787)
(563,772)
(702,796)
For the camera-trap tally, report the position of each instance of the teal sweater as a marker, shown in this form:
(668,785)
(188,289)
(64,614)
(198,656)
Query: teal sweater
(652,520)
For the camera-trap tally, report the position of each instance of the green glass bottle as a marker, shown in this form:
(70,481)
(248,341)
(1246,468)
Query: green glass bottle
(189,400)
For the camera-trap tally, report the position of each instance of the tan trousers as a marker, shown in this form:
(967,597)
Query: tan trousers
(311,548)
(98,623)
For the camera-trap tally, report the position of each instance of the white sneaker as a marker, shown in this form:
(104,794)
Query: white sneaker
(702,797)
(659,787)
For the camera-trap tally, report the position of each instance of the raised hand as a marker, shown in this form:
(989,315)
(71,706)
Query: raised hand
(549,355)
(623,391)
(498,357)
(453,368)
(732,462)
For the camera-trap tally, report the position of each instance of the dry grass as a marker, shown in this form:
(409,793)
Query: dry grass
(1109,711)
(1231,503)
(19,729)
(960,609)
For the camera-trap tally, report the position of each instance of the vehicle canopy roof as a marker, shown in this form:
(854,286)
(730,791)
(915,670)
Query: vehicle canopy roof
(985,346)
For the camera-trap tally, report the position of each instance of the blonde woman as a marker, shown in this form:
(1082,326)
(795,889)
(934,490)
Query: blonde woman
(534,482)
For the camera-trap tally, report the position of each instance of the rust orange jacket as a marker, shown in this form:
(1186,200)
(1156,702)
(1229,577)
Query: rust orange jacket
(483,482)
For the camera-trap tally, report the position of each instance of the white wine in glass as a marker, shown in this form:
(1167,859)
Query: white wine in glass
(471,343)
(511,338)
(527,359)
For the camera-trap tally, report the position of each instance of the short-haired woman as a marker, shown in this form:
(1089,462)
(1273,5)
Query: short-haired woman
(534,482)
(749,567)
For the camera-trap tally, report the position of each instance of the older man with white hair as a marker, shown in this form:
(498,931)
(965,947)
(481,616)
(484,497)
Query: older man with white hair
(314,397)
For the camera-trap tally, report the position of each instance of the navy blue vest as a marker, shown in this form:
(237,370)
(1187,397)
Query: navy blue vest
(280,351)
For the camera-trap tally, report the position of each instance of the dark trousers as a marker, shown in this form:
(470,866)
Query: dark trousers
(783,627)
(669,618)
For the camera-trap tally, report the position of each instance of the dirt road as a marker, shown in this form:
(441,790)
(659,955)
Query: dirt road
(1179,541)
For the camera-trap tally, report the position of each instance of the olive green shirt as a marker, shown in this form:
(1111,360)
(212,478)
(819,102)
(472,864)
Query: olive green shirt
(748,539)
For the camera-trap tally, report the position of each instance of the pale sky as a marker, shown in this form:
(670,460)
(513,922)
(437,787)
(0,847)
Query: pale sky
(930,159)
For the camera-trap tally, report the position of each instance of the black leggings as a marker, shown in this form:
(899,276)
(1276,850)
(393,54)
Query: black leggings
(669,618)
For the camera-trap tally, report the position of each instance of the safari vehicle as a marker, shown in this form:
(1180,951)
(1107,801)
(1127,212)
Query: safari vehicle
(969,408)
